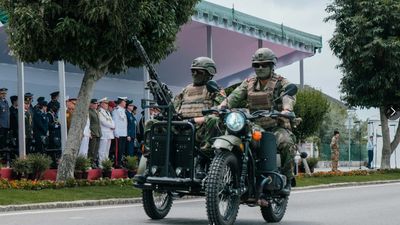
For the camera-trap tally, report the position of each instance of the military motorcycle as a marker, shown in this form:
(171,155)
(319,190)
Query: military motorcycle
(243,167)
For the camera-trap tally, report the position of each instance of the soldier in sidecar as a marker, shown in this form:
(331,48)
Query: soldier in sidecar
(177,146)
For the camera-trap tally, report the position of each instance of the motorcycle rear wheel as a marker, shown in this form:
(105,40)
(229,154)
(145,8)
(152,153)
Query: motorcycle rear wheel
(222,199)
(275,211)
(156,204)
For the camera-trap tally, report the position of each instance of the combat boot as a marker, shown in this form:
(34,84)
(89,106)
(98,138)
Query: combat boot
(201,168)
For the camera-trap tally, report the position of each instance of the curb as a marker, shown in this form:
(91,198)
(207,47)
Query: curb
(125,201)
(71,204)
(347,184)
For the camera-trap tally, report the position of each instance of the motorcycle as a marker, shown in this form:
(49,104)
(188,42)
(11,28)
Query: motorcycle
(243,169)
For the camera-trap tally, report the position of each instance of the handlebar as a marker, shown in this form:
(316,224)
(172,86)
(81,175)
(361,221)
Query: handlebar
(255,115)
(272,114)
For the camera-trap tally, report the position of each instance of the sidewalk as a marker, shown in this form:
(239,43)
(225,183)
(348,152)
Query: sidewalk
(343,168)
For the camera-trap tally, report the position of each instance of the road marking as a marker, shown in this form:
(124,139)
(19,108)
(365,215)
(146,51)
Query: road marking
(89,208)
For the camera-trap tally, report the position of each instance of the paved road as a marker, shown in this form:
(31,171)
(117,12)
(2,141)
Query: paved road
(363,205)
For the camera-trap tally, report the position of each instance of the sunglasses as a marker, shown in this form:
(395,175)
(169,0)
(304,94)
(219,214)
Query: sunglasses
(261,65)
(199,72)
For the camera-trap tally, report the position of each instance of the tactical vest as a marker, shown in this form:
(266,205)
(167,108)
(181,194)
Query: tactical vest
(262,99)
(195,99)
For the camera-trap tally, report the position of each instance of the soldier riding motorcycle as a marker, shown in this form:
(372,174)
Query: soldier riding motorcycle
(236,173)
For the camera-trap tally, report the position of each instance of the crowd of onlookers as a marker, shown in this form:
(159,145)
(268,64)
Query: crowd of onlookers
(111,130)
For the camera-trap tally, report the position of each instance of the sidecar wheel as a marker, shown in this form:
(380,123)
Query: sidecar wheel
(156,204)
(222,199)
(275,211)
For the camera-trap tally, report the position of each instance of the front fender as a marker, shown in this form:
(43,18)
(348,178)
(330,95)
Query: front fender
(227,142)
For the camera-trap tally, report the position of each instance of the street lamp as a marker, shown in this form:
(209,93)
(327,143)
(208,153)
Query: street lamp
(359,137)
(373,142)
(350,114)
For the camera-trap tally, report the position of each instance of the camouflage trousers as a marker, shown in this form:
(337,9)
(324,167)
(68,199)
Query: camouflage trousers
(212,127)
(287,148)
(335,159)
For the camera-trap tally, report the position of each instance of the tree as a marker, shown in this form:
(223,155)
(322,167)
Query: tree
(96,37)
(311,106)
(366,40)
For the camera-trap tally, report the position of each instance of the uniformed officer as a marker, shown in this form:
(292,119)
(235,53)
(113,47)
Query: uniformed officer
(54,100)
(335,150)
(29,97)
(71,103)
(54,126)
(41,127)
(95,132)
(38,100)
(259,91)
(131,132)
(107,126)
(195,97)
(4,117)
(14,122)
(121,129)
(28,126)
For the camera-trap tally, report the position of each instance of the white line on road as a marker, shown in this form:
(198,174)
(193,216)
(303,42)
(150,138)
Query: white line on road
(87,208)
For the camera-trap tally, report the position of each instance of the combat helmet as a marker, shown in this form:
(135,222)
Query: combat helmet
(204,63)
(264,55)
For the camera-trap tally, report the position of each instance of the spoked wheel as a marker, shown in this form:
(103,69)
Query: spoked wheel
(222,199)
(156,204)
(276,209)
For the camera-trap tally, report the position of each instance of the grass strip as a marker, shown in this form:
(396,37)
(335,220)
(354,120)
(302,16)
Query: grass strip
(18,196)
(311,181)
(14,196)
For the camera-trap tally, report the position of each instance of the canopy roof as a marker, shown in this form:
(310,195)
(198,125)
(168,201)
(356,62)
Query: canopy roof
(228,36)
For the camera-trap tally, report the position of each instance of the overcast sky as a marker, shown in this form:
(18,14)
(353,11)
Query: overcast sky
(306,15)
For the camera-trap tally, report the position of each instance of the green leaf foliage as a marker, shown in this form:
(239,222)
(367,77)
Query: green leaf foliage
(94,34)
(367,42)
(311,106)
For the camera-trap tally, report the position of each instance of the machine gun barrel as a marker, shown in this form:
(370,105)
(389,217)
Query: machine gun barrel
(162,94)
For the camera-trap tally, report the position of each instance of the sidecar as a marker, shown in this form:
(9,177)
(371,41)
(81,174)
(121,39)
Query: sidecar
(170,167)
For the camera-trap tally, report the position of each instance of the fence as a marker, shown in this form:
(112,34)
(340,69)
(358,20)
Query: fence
(325,152)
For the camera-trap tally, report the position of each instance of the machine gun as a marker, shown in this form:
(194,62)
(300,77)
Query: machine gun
(160,91)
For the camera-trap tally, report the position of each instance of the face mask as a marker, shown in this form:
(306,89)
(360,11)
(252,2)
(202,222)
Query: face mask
(263,73)
(199,79)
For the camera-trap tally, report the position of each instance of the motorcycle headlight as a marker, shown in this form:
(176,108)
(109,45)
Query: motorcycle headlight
(235,121)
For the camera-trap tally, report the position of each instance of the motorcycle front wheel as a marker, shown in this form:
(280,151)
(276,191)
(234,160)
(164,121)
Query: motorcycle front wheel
(156,204)
(222,199)
(276,209)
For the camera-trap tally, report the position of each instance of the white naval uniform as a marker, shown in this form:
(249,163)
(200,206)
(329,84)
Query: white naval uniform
(107,134)
(83,150)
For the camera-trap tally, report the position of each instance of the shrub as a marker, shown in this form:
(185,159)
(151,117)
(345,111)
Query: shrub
(82,163)
(38,164)
(22,167)
(312,162)
(131,162)
(106,165)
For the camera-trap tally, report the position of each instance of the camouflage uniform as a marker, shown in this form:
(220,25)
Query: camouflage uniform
(190,103)
(260,97)
(194,98)
(335,153)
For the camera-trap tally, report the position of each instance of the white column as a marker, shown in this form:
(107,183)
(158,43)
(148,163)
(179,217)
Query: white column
(21,111)
(63,115)
(209,42)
